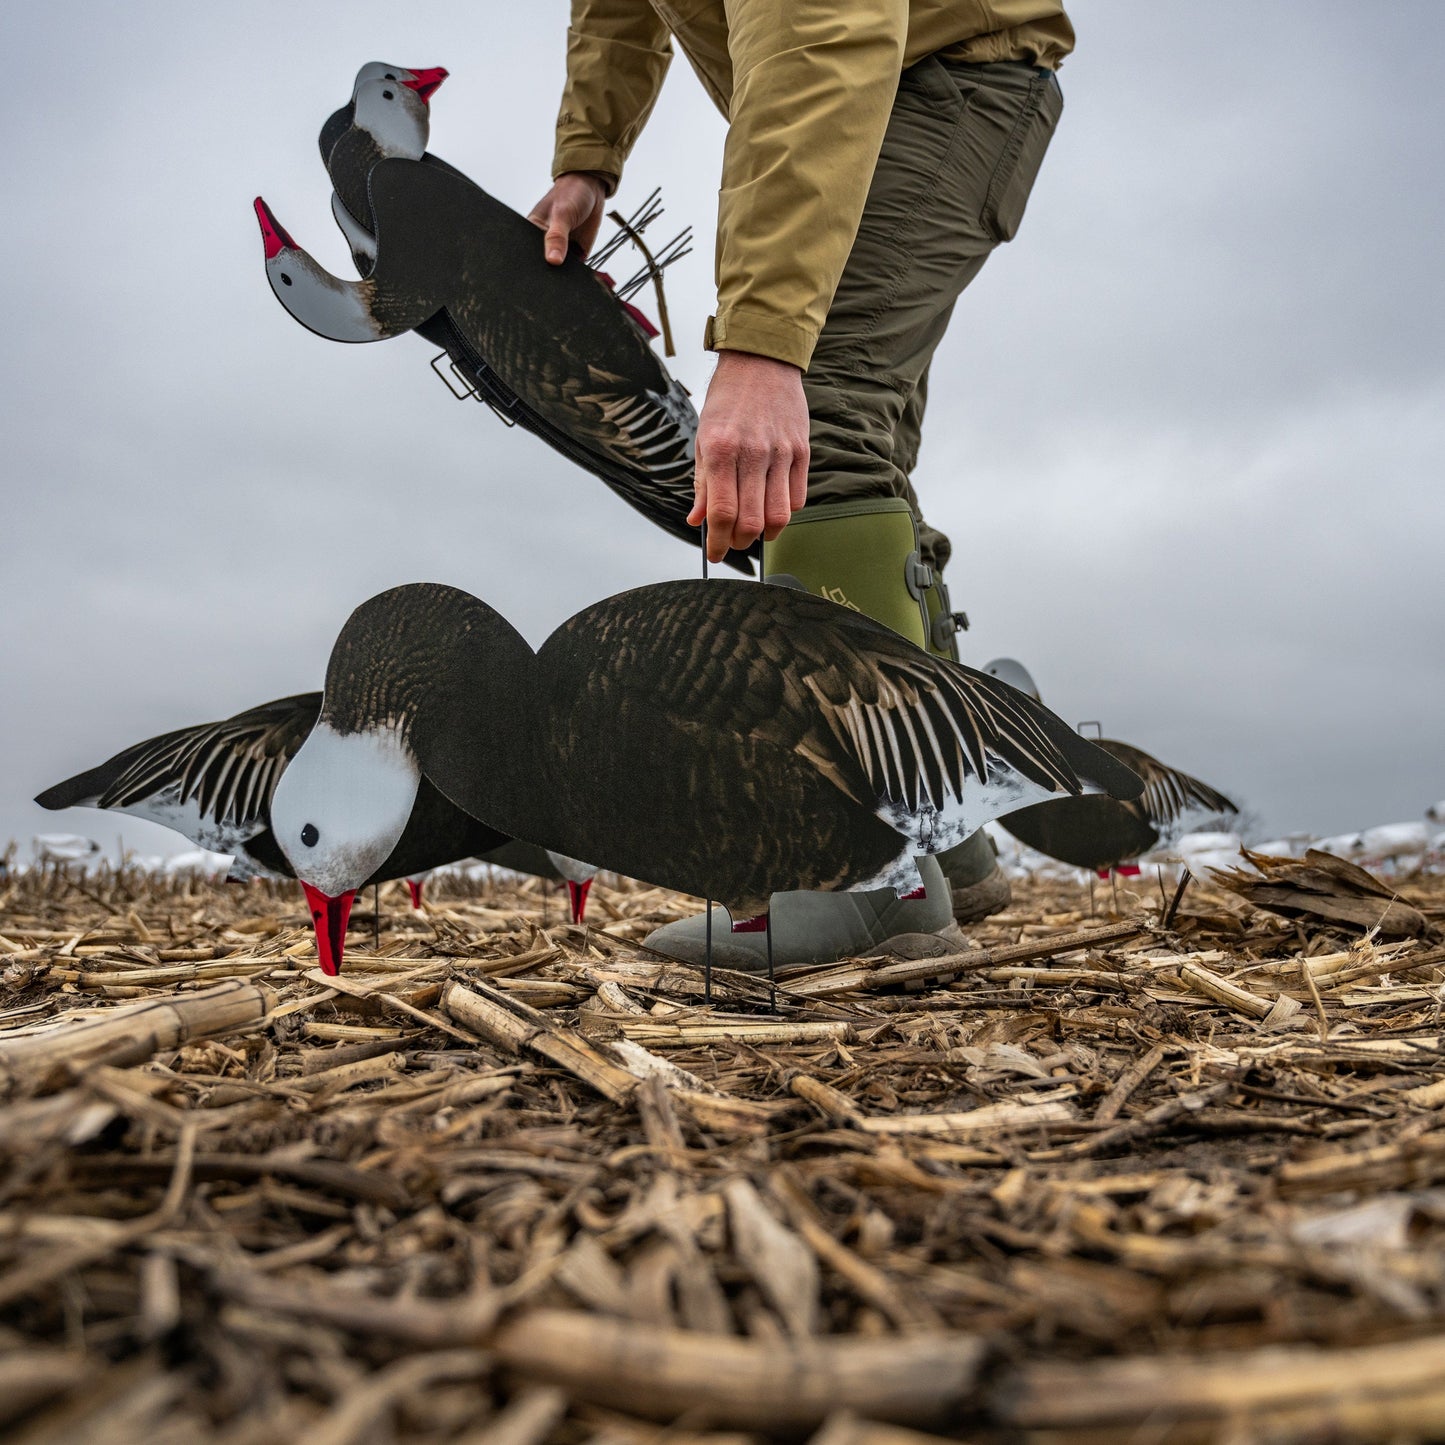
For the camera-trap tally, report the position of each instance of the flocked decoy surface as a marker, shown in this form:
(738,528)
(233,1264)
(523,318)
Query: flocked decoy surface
(726,740)
(551,347)
(214,783)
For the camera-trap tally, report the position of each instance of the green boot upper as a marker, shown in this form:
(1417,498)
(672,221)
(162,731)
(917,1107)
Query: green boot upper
(861,554)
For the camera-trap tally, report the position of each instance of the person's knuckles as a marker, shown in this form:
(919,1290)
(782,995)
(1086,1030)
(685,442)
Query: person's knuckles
(718,444)
(754,455)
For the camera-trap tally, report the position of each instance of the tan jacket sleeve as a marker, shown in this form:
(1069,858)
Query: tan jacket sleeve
(813,86)
(618,52)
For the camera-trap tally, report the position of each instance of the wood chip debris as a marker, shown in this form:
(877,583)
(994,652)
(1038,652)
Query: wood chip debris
(508,1180)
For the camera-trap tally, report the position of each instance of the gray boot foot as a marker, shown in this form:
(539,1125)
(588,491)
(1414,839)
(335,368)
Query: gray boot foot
(978,884)
(912,946)
(813,928)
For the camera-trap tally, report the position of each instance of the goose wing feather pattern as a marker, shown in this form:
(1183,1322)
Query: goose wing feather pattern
(795,731)
(212,782)
(1168,793)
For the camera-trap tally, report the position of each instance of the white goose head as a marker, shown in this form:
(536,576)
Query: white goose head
(338,811)
(323,303)
(423,83)
(392,106)
(412,91)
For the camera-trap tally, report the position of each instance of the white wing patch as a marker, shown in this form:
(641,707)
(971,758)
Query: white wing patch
(186,818)
(943,754)
(359,240)
(650,433)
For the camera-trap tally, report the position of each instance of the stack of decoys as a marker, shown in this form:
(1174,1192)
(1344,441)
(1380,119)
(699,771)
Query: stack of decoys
(550,347)
(1103,833)
(723,739)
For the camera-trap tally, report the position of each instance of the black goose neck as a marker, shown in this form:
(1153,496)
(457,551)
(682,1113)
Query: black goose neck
(415,658)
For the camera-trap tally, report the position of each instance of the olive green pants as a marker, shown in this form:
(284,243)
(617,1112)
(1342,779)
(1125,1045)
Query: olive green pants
(963,146)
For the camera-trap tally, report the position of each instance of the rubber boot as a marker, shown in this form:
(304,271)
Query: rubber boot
(813,928)
(861,554)
(944,624)
(977,886)
(976,882)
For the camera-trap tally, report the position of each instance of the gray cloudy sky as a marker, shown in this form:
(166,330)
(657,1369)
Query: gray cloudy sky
(1186,431)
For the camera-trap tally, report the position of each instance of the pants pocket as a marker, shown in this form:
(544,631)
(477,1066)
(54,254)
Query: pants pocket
(1023,153)
(932,81)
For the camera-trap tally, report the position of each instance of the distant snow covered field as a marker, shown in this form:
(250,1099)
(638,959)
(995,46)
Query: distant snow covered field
(1390,850)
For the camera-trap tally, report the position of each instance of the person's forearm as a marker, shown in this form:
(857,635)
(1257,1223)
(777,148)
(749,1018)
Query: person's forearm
(618,52)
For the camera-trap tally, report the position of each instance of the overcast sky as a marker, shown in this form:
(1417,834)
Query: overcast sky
(1186,431)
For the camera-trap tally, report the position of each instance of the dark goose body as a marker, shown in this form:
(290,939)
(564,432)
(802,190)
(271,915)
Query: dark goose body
(723,739)
(1100,832)
(213,783)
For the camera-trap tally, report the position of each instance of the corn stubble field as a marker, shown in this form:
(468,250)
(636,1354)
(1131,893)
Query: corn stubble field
(1169,1171)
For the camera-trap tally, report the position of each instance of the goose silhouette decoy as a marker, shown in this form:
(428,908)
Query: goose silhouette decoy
(212,783)
(64,848)
(550,347)
(388,116)
(215,783)
(1100,832)
(725,740)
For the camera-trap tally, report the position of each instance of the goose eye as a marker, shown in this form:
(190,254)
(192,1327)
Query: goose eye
(285,279)
(309,835)
(388,95)
(389,76)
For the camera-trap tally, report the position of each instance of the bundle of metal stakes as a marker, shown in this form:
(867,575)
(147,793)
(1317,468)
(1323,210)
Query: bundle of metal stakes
(1173,1171)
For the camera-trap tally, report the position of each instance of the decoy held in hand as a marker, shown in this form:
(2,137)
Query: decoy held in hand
(215,784)
(1100,832)
(724,739)
(550,347)
(389,115)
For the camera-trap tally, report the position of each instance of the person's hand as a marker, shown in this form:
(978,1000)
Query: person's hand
(752,452)
(570,211)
